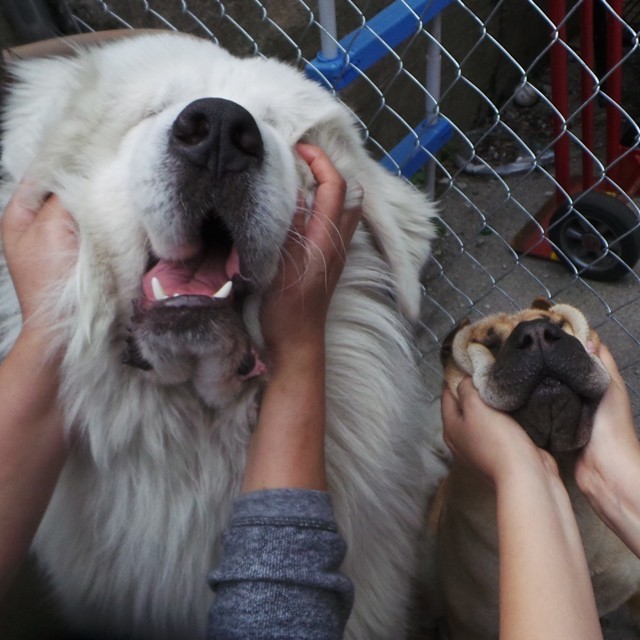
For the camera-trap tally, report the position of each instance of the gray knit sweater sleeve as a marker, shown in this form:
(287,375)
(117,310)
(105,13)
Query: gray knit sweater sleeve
(279,575)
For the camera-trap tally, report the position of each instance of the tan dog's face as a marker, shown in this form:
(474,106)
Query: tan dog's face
(534,366)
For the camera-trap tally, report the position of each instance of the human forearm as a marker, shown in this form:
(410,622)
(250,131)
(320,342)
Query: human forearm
(287,448)
(608,468)
(542,561)
(611,488)
(39,241)
(545,586)
(32,446)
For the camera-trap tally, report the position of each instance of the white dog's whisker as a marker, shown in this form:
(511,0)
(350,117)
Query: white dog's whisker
(336,239)
(312,246)
(285,255)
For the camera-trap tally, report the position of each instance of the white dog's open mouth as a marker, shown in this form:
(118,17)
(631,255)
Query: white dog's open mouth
(191,309)
(207,274)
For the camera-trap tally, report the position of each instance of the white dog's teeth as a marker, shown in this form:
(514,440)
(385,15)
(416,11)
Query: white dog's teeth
(158,291)
(224,290)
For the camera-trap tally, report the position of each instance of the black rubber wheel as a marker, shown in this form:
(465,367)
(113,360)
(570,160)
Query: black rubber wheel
(599,235)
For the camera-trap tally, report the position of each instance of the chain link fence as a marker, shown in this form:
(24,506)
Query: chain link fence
(537,179)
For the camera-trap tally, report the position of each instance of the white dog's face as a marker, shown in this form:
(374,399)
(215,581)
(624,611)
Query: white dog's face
(178,162)
(197,170)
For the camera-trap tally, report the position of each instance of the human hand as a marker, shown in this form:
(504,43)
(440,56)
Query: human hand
(613,437)
(295,308)
(486,440)
(40,244)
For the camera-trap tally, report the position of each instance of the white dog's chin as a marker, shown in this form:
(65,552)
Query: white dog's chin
(188,327)
(178,163)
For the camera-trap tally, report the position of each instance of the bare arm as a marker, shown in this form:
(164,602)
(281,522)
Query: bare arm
(542,561)
(32,445)
(608,470)
(287,448)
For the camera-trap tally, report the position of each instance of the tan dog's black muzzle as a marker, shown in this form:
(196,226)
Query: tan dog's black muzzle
(546,372)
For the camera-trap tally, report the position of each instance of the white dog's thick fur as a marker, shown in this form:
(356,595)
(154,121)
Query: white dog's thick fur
(135,521)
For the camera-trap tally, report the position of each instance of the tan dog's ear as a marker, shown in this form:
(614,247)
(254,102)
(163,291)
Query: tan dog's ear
(541,303)
(447,343)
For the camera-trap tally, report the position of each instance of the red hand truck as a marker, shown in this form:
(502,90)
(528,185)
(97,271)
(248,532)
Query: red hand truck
(589,224)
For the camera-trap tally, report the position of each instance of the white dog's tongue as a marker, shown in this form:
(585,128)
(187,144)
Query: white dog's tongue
(205,274)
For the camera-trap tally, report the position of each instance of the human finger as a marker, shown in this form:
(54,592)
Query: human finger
(614,409)
(65,229)
(492,421)
(295,243)
(463,433)
(449,405)
(608,361)
(451,418)
(467,392)
(329,181)
(616,397)
(21,210)
(324,228)
(293,256)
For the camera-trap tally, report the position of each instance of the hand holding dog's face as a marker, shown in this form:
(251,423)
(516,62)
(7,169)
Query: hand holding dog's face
(535,366)
(486,440)
(40,245)
(295,307)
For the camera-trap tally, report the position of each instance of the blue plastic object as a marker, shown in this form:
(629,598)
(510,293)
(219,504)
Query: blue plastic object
(416,149)
(367,45)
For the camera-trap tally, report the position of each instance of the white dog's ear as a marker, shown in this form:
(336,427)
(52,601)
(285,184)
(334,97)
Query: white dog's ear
(398,215)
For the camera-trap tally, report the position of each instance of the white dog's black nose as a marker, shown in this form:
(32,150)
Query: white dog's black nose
(217,134)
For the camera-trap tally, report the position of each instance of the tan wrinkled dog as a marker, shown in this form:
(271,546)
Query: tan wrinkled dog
(533,365)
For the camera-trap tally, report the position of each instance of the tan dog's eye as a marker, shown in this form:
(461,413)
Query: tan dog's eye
(565,325)
(491,341)
(493,344)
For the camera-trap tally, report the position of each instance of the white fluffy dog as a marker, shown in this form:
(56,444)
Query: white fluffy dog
(174,157)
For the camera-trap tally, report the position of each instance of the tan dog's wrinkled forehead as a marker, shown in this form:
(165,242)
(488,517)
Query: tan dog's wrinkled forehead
(537,364)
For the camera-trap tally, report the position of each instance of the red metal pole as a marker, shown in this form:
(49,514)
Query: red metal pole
(587,53)
(614,82)
(559,91)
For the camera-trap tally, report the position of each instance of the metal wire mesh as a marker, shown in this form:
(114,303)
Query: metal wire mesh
(498,170)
